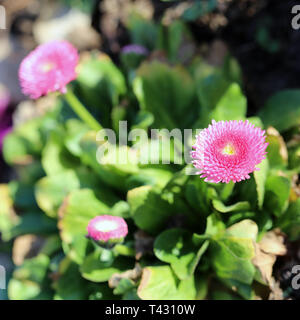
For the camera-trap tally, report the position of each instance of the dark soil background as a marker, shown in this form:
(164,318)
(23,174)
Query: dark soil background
(258,33)
(266,69)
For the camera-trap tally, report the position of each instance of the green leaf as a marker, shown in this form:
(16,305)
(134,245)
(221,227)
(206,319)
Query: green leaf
(173,39)
(22,194)
(260,177)
(289,222)
(239,206)
(232,70)
(131,61)
(29,281)
(277,194)
(244,229)
(176,246)
(166,148)
(52,245)
(294,158)
(247,190)
(15,149)
(227,190)
(25,141)
(285,103)
(199,195)
(8,219)
(244,290)
(211,84)
(149,176)
(126,249)
(118,114)
(277,150)
(167,93)
(95,270)
(256,121)
(71,286)
(143,120)
(239,216)
(33,223)
(55,157)
(124,286)
(202,285)
(120,209)
(51,191)
(160,283)
(231,259)
(100,84)
(104,159)
(232,106)
(78,209)
(76,129)
(232,252)
(148,209)
(142,31)
(214,225)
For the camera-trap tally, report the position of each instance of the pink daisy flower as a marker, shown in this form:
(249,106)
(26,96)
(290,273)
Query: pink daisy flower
(104,228)
(229,151)
(50,67)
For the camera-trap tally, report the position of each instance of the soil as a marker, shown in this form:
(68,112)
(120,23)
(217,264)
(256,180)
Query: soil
(266,70)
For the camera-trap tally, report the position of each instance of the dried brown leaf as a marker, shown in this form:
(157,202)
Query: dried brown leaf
(266,252)
(133,274)
(273,243)
(25,247)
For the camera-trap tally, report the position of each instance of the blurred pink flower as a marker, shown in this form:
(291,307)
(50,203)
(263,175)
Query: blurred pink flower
(135,48)
(229,151)
(50,67)
(5,118)
(104,228)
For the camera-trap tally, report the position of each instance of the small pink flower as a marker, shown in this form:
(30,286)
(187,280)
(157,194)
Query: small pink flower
(50,67)
(229,151)
(135,48)
(104,228)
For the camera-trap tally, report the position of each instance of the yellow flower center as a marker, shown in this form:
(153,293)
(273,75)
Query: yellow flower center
(228,150)
(46,67)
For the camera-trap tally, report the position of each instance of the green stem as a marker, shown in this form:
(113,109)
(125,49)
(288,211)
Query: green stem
(106,255)
(81,111)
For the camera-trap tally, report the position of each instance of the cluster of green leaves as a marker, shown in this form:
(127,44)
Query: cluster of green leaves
(187,239)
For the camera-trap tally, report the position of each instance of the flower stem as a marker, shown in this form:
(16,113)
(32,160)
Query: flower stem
(106,255)
(81,111)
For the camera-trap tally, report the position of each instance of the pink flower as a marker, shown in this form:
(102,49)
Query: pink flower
(104,228)
(5,115)
(229,151)
(50,67)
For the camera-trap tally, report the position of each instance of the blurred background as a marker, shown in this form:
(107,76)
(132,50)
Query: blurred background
(258,33)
